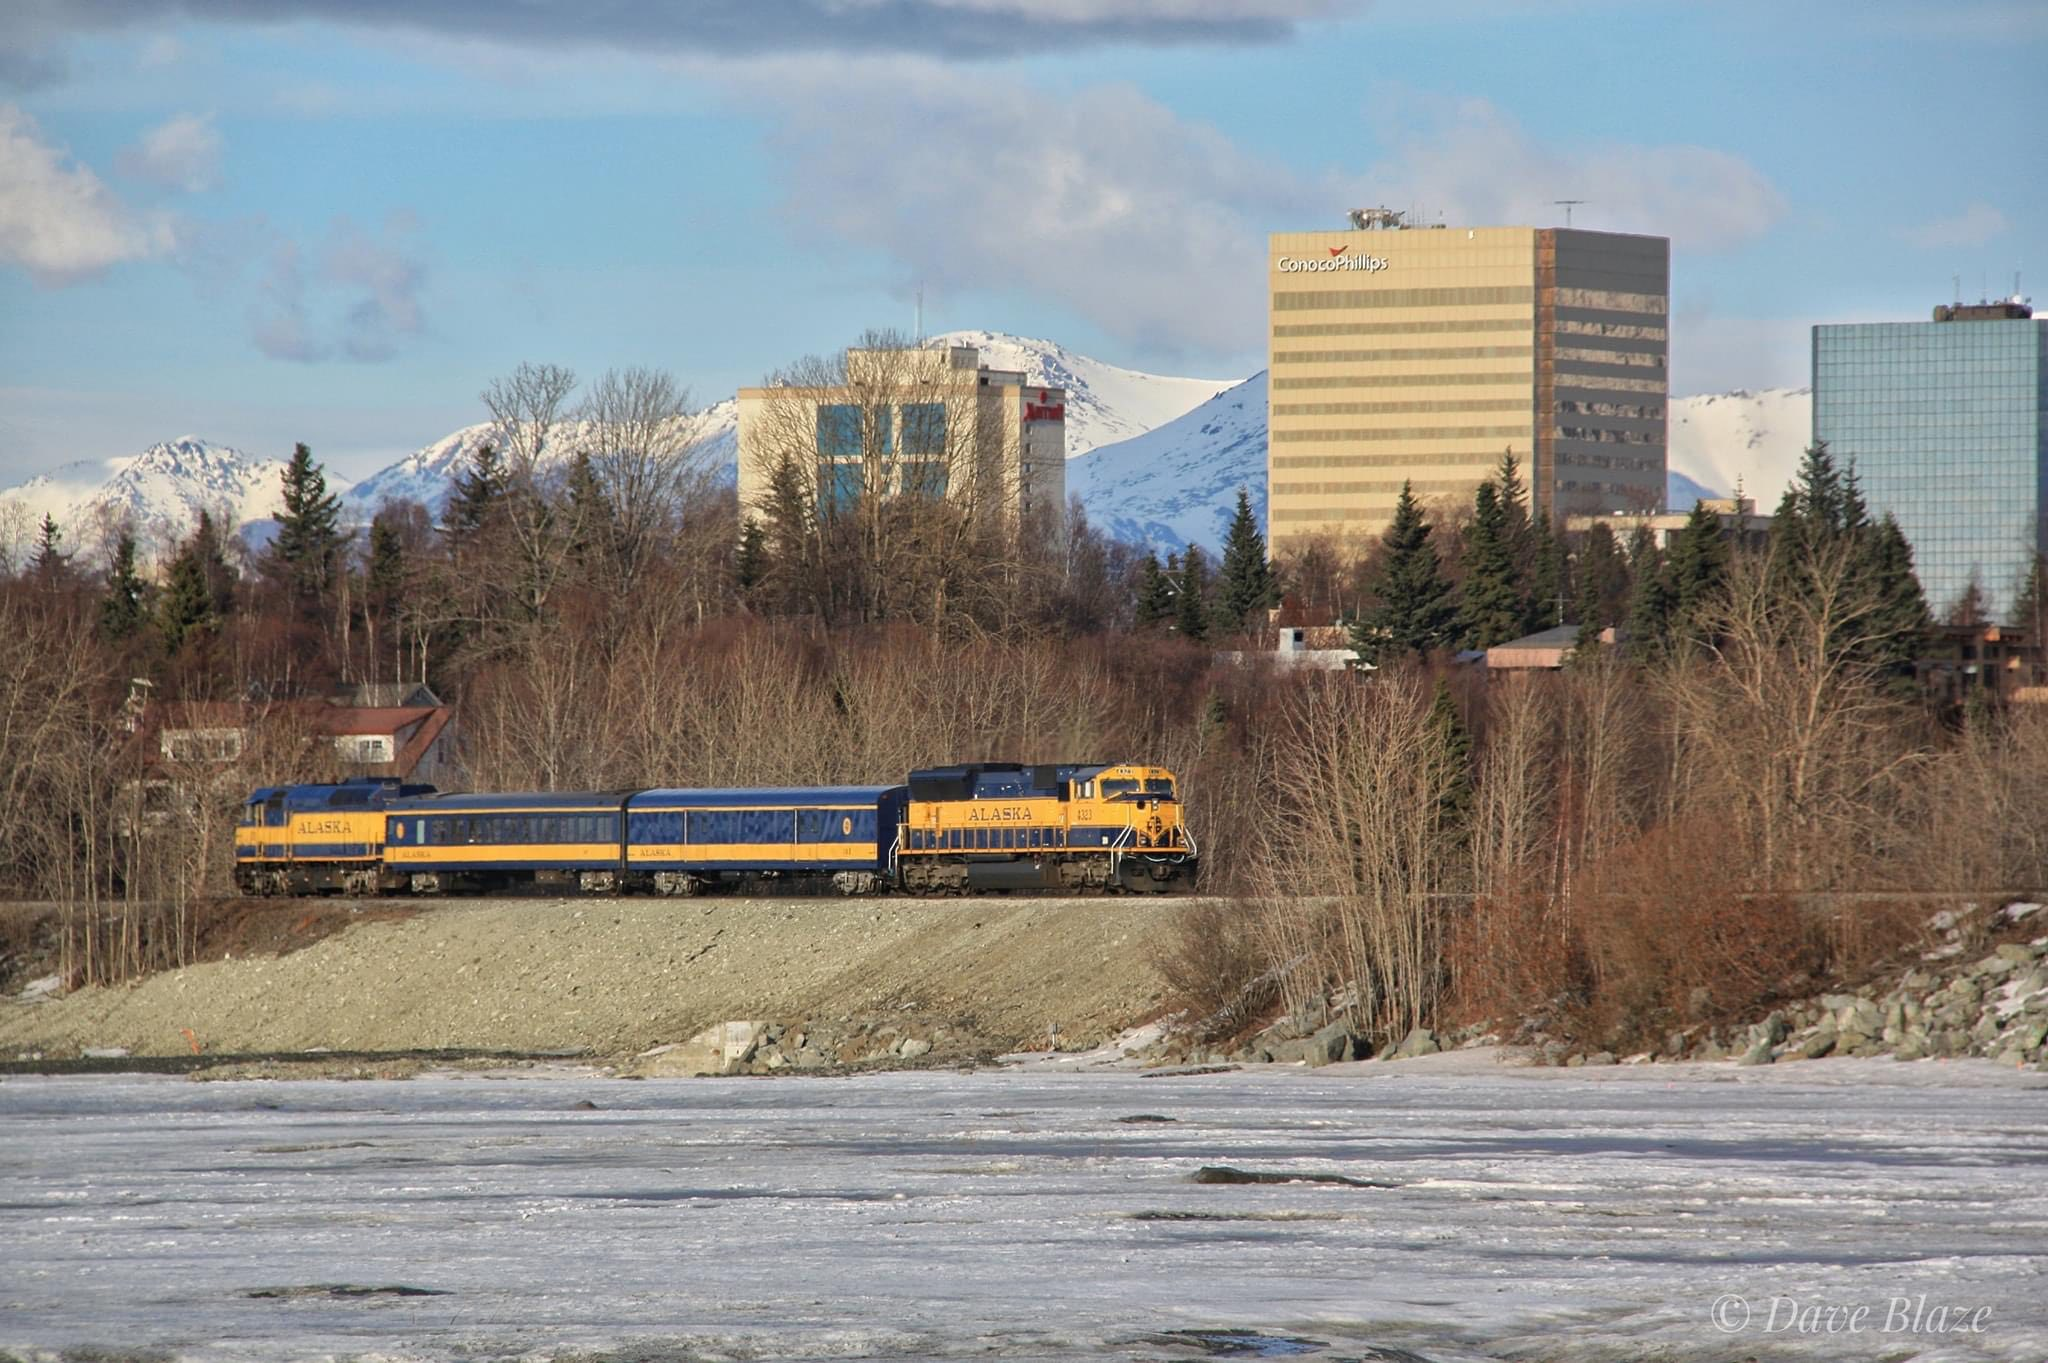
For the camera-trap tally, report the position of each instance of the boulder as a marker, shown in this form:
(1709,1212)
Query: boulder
(912,1047)
(1759,1053)
(1421,1041)
(722,1048)
(2019,953)
(1333,1043)
(1600,1058)
(1817,1045)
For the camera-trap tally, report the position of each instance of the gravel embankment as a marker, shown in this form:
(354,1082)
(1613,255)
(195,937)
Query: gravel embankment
(614,977)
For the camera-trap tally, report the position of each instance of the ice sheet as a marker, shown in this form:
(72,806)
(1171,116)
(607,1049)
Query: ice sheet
(1538,1214)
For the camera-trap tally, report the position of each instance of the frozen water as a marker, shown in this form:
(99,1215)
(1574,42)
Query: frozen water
(1546,1214)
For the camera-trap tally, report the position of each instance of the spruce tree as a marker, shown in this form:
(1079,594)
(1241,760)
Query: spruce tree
(304,555)
(50,565)
(1247,587)
(1155,594)
(750,557)
(478,490)
(122,610)
(199,590)
(590,513)
(1649,606)
(1494,609)
(1696,569)
(1549,579)
(1519,513)
(1191,604)
(1415,609)
(1455,805)
(384,577)
(1601,574)
(1899,618)
(1970,607)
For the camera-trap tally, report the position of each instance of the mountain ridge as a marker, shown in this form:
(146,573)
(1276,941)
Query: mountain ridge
(1155,459)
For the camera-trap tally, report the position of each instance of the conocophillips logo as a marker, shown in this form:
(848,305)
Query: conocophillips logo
(1340,258)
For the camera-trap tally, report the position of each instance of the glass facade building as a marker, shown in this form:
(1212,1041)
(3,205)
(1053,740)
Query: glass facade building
(1946,424)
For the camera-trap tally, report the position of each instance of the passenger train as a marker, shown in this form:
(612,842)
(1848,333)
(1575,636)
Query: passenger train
(948,830)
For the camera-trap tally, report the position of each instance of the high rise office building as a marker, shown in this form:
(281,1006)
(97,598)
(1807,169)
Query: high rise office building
(1946,425)
(1424,354)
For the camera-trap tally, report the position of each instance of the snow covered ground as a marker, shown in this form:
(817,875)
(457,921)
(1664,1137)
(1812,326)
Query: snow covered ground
(1674,1212)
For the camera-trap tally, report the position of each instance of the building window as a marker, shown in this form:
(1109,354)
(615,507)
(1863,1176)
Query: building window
(924,428)
(839,431)
(839,486)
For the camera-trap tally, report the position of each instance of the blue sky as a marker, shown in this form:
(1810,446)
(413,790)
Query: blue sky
(337,220)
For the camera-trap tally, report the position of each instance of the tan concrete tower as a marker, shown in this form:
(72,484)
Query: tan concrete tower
(1423,354)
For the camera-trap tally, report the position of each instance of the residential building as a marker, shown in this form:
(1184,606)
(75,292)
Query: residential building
(1423,354)
(1946,425)
(931,420)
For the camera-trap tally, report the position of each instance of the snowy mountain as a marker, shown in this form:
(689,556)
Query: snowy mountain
(1155,459)
(1178,483)
(160,492)
(1720,439)
(1105,403)
(428,474)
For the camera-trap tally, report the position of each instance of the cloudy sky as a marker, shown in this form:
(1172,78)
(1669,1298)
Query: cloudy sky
(262,221)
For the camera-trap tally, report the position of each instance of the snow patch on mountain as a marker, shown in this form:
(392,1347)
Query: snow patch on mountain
(159,492)
(1754,440)
(428,475)
(1105,403)
(1178,484)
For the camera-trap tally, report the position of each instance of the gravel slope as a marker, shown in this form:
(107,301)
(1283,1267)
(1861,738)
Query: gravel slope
(614,977)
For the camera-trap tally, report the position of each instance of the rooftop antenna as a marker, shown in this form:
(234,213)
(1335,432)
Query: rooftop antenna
(1567,204)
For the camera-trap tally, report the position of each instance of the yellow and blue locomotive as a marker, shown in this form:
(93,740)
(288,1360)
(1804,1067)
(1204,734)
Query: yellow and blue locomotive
(948,830)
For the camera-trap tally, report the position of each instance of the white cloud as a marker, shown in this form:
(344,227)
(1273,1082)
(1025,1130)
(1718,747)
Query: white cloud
(358,302)
(1975,225)
(182,153)
(58,221)
(1477,166)
(1149,226)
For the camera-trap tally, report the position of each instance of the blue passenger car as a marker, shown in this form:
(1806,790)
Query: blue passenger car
(682,840)
(489,841)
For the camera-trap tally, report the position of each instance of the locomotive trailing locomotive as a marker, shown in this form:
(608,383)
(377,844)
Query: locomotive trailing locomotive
(986,826)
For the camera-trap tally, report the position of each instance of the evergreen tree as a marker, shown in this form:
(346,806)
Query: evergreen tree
(1649,606)
(1602,578)
(1247,587)
(304,555)
(478,491)
(1155,594)
(1191,605)
(590,513)
(2030,606)
(384,577)
(1455,806)
(1899,618)
(791,533)
(1519,515)
(1415,609)
(1970,607)
(750,557)
(1549,578)
(50,565)
(1493,609)
(122,610)
(199,591)
(1697,566)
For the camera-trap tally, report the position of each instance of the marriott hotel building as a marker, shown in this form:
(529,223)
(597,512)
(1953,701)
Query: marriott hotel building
(1424,354)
